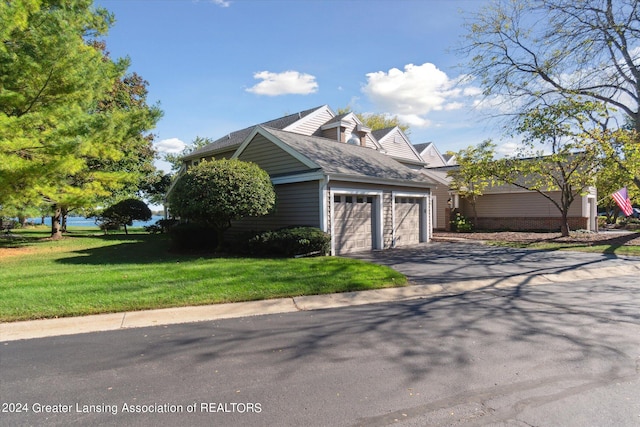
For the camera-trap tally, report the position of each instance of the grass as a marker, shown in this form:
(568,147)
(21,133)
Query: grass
(616,249)
(87,273)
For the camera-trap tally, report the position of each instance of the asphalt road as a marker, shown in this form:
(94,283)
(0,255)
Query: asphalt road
(549,355)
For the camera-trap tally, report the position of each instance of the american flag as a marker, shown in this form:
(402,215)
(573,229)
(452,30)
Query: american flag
(622,199)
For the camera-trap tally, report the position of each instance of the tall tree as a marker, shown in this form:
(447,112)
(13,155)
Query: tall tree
(50,79)
(535,52)
(72,121)
(570,168)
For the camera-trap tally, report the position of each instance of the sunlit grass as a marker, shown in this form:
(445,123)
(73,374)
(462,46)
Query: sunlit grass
(89,273)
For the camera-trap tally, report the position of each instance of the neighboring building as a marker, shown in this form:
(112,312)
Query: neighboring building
(369,189)
(507,207)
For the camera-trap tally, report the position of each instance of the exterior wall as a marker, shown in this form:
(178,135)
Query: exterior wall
(270,157)
(523,204)
(440,216)
(331,133)
(296,204)
(311,124)
(522,211)
(396,146)
(432,157)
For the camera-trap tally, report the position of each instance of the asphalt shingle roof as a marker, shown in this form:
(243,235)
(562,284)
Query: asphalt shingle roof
(345,159)
(234,139)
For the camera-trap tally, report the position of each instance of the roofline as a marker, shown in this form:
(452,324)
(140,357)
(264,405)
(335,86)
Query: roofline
(383,181)
(211,153)
(280,144)
(308,116)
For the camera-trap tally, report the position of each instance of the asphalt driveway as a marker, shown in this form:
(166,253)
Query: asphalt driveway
(449,262)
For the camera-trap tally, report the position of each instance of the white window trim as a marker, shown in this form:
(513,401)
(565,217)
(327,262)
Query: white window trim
(425,218)
(378,237)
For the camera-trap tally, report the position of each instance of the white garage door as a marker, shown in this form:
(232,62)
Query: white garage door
(407,221)
(353,223)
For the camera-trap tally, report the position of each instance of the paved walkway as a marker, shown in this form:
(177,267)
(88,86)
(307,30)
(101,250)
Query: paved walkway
(437,268)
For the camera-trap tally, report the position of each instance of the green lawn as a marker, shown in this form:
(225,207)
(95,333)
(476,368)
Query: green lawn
(88,273)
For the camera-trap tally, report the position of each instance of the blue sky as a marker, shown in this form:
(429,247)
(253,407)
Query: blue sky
(216,66)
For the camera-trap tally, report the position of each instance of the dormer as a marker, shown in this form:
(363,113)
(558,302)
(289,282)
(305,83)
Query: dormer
(349,129)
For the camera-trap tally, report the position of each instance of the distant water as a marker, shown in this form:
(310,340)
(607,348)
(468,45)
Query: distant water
(80,221)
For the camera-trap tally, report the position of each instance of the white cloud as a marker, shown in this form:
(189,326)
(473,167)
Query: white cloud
(417,91)
(285,83)
(414,120)
(170,146)
(221,3)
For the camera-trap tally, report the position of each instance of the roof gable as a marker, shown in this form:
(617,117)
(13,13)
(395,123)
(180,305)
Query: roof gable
(396,144)
(236,138)
(268,135)
(345,160)
(431,155)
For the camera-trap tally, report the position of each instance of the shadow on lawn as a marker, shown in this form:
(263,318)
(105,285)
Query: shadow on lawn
(131,249)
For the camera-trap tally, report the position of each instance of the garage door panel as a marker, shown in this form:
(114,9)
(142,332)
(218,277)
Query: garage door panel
(407,221)
(353,217)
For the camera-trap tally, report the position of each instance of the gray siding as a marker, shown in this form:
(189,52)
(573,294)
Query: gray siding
(311,124)
(296,204)
(529,204)
(396,146)
(270,157)
(441,194)
(432,157)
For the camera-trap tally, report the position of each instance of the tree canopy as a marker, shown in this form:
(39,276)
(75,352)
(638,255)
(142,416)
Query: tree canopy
(217,192)
(125,212)
(73,122)
(536,53)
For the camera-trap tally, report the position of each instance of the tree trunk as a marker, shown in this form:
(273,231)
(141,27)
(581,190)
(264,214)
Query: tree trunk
(564,227)
(64,212)
(475,212)
(56,232)
(125,230)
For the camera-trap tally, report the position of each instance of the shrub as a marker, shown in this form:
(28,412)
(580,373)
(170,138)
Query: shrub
(124,213)
(192,237)
(290,242)
(461,224)
(218,192)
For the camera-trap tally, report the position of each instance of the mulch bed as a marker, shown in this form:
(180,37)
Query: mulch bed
(593,239)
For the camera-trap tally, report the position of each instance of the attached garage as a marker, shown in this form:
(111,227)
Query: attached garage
(353,222)
(407,221)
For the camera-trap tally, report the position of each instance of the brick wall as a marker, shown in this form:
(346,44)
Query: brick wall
(529,224)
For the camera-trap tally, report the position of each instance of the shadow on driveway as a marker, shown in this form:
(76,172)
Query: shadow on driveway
(447,262)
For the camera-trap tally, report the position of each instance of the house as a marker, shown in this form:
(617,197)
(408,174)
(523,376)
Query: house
(370,189)
(507,207)
(330,171)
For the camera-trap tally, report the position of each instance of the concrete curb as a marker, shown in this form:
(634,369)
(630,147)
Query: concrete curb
(13,331)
